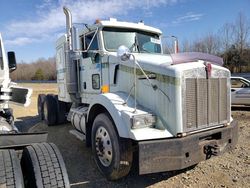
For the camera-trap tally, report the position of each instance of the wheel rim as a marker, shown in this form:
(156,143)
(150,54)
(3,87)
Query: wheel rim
(103,146)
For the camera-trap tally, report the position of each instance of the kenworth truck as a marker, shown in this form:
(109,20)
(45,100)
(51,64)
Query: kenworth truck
(136,105)
(26,160)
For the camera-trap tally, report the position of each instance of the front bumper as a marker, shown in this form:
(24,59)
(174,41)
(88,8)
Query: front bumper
(180,153)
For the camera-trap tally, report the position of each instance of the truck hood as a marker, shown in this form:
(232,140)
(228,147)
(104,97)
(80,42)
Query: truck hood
(154,59)
(160,63)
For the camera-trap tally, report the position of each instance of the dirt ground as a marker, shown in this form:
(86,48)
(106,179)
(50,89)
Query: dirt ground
(229,170)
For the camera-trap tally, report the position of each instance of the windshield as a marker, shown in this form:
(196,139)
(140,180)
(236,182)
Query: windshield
(135,40)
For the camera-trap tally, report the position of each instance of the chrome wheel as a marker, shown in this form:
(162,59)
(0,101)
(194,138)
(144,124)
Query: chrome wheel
(103,146)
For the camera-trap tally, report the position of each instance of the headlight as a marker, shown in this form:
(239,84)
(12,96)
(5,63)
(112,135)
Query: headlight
(141,121)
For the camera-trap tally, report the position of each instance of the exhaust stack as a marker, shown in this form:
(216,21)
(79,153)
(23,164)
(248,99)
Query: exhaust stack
(176,45)
(71,58)
(68,25)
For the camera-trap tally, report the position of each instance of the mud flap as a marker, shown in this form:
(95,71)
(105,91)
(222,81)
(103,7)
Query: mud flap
(21,139)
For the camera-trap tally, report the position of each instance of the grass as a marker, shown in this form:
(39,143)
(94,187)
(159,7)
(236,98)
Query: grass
(38,88)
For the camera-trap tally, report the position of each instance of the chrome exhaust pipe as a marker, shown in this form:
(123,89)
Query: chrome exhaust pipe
(68,25)
(176,45)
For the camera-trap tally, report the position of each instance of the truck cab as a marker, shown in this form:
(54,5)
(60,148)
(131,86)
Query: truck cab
(129,99)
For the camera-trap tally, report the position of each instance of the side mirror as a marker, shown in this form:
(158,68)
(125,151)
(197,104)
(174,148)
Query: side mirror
(12,61)
(123,53)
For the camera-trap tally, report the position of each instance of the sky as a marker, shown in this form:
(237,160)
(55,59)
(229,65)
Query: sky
(31,27)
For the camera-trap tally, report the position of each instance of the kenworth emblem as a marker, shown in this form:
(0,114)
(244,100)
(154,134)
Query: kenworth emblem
(208,69)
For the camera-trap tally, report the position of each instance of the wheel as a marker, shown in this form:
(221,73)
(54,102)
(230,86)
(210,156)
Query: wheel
(40,105)
(112,154)
(10,170)
(60,111)
(50,110)
(43,166)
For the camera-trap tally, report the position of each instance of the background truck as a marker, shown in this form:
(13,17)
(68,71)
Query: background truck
(26,160)
(135,105)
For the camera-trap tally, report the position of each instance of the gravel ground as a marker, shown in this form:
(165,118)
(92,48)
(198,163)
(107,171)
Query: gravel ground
(229,170)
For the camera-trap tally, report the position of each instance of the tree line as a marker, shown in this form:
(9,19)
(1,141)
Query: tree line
(231,42)
(42,69)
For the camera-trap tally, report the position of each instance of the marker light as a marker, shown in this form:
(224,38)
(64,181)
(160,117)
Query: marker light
(105,88)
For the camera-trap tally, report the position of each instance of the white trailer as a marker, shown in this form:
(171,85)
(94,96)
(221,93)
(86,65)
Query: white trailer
(26,160)
(132,102)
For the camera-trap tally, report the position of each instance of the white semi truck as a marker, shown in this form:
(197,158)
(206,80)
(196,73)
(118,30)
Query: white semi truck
(26,160)
(135,104)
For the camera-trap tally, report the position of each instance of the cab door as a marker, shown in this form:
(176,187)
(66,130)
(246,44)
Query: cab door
(90,65)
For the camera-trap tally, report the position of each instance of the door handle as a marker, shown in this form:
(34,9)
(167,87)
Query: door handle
(233,90)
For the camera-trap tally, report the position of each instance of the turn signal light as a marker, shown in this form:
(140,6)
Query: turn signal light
(105,88)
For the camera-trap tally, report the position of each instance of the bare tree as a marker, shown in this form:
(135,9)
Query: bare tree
(242,29)
(186,46)
(211,43)
(198,46)
(207,44)
(226,36)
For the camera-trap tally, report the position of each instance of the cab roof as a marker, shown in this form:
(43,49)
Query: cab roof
(129,25)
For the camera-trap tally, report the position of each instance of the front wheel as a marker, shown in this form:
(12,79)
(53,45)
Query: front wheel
(112,154)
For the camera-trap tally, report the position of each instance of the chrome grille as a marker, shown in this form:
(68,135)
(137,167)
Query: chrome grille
(223,115)
(206,103)
(213,107)
(191,103)
(202,100)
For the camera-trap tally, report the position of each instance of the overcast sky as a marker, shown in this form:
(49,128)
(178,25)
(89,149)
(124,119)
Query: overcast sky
(31,27)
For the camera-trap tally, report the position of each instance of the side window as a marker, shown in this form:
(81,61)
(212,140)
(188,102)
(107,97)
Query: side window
(90,43)
(87,44)
(237,83)
(94,44)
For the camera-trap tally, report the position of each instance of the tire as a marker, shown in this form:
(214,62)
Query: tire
(60,111)
(40,105)
(43,166)
(113,158)
(50,110)
(10,170)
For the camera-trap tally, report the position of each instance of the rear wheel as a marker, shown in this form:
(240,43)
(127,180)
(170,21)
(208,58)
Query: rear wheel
(112,154)
(10,170)
(40,105)
(43,166)
(61,111)
(50,110)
